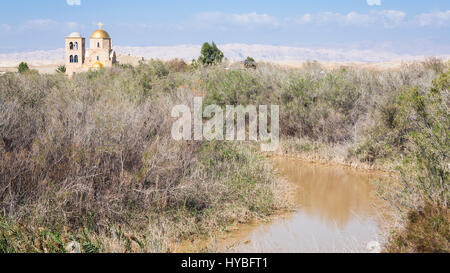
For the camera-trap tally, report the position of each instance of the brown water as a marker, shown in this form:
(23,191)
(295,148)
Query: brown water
(336,213)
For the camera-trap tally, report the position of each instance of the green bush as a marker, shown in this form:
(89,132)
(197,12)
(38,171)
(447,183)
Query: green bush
(413,127)
(250,63)
(389,137)
(420,123)
(234,87)
(426,170)
(61,69)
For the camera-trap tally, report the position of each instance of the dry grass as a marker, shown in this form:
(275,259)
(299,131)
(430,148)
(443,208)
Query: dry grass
(91,159)
(426,231)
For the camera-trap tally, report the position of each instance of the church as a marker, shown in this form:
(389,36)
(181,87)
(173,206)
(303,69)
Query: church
(100,53)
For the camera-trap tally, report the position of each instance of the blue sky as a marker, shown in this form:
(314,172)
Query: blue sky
(414,26)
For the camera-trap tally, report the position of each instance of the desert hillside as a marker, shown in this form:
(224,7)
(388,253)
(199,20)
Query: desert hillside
(47,60)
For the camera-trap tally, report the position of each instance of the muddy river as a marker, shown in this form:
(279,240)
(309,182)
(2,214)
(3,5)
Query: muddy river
(336,212)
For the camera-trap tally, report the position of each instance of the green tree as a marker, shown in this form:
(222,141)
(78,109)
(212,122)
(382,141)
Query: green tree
(210,54)
(23,67)
(61,69)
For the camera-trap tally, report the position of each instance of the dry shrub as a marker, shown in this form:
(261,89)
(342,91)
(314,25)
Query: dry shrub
(329,106)
(434,64)
(178,65)
(95,153)
(427,230)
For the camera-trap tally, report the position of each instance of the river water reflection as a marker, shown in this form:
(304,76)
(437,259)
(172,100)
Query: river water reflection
(336,212)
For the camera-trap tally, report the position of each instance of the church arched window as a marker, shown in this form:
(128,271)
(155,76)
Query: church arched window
(71,58)
(71,45)
(98,44)
(98,58)
(75,60)
(75,46)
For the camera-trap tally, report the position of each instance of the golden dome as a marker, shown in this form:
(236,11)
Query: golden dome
(97,65)
(100,34)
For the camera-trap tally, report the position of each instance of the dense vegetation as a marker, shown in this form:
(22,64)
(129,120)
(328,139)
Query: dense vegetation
(91,159)
(394,120)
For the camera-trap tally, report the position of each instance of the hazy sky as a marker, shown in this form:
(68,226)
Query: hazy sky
(405,26)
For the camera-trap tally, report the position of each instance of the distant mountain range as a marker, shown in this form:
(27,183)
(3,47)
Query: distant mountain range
(233,52)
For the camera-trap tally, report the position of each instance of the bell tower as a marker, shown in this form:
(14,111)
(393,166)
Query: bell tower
(75,53)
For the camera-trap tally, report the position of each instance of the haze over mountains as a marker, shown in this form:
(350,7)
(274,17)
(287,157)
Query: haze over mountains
(234,52)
